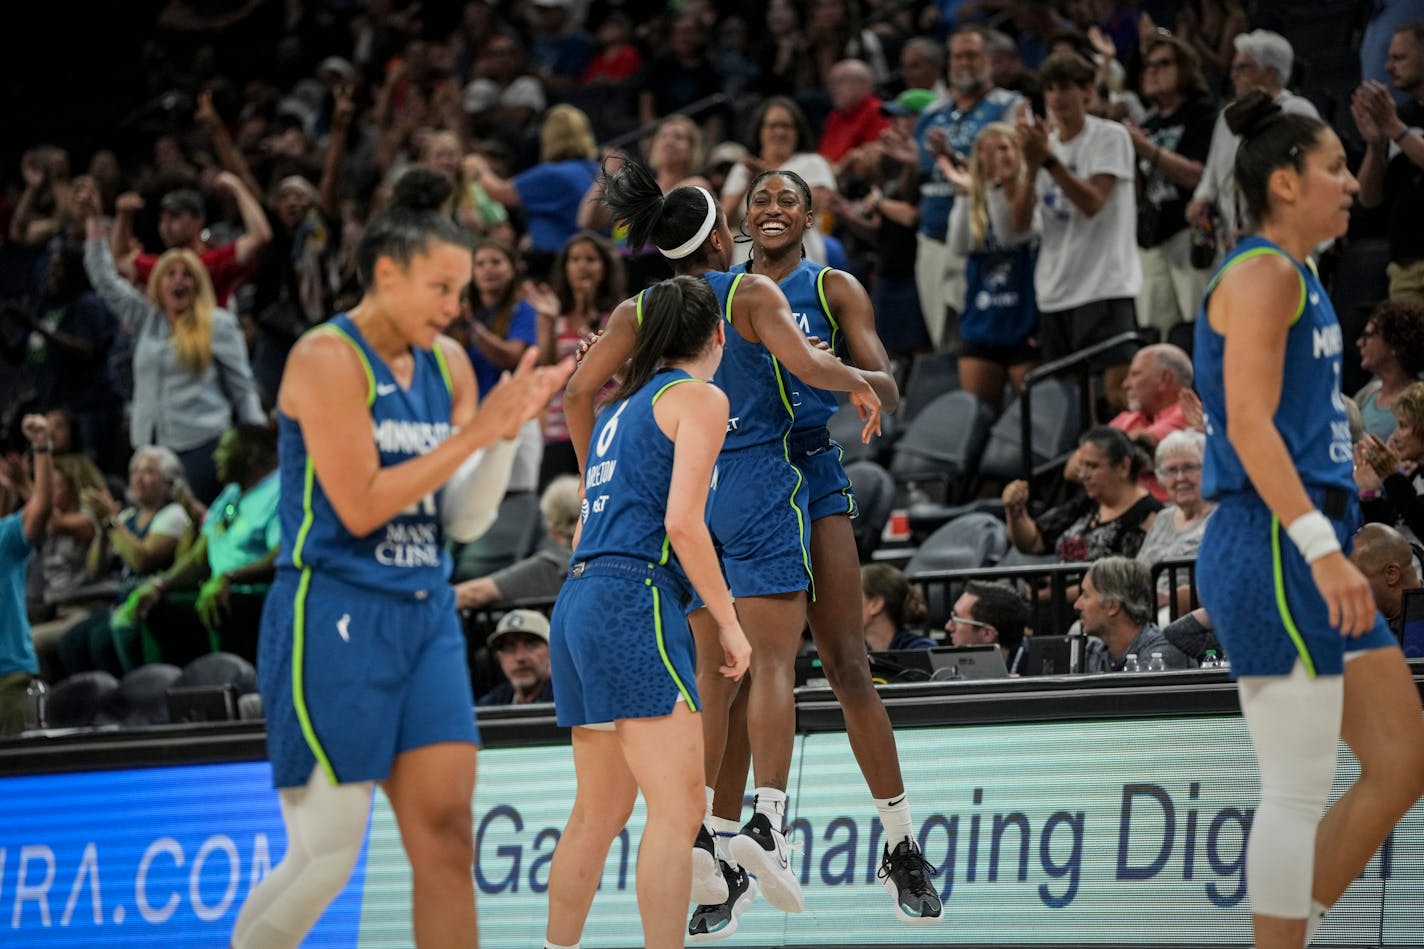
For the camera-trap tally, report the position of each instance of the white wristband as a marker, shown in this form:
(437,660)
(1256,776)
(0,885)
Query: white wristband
(1314,536)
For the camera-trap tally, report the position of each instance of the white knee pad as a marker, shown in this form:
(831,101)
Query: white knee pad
(1294,722)
(326,824)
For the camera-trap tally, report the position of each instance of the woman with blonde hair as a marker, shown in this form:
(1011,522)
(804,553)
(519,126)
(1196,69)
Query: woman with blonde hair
(1000,314)
(191,374)
(550,193)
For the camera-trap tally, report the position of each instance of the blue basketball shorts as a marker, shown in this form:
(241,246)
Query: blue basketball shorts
(828,489)
(619,644)
(351,678)
(757,514)
(1261,597)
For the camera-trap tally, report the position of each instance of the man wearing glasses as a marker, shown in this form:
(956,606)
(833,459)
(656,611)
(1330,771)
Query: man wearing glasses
(989,613)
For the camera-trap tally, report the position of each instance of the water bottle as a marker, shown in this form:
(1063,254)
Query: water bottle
(1077,650)
(36,699)
(491,212)
(1130,663)
(1211,660)
(1156,663)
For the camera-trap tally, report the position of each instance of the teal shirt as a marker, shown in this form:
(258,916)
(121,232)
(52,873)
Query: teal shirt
(242,528)
(17,653)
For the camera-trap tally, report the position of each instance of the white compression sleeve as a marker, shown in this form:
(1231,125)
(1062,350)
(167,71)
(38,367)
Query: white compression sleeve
(1294,722)
(326,824)
(471,497)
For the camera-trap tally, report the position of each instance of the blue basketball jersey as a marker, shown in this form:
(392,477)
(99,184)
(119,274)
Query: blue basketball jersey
(805,291)
(626,479)
(1311,416)
(407,554)
(757,387)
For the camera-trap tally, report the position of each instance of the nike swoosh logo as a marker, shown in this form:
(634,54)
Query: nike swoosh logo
(343,627)
(896,801)
(781,852)
(385,388)
(1314,299)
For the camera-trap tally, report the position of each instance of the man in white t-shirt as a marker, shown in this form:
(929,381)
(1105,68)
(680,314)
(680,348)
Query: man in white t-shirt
(1088,274)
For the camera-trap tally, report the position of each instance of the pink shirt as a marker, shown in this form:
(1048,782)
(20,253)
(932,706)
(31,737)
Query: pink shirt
(1159,426)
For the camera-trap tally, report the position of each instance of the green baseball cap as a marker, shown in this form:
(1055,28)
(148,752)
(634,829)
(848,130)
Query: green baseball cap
(909,102)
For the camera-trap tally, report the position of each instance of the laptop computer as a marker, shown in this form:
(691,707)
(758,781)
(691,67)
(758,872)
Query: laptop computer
(1047,655)
(942,663)
(1411,635)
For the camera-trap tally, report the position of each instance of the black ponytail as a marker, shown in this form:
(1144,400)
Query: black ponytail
(406,228)
(634,198)
(679,317)
(1271,138)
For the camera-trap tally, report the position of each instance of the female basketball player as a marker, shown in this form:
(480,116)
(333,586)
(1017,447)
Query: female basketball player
(1313,658)
(621,652)
(757,506)
(833,306)
(362,662)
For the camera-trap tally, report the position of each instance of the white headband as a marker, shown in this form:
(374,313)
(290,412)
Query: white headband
(695,241)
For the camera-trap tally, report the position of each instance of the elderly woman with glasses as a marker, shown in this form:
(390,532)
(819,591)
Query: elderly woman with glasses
(1176,532)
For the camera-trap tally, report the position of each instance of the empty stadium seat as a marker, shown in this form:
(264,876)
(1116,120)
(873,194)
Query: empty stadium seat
(79,701)
(943,444)
(142,695)
(1057,424)
(219,668)
(931,376)
(874,489)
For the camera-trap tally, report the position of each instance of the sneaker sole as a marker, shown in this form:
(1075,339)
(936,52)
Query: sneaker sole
(900,913)
(743,904)
(778,884)
(709,886)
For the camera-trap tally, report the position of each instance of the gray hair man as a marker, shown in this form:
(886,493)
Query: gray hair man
(1117,605)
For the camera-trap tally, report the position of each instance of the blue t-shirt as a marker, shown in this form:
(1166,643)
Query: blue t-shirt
(406,554)
(17,653)
(1311,416)
(627,478)
(523,326)
(936,193)
(551,193)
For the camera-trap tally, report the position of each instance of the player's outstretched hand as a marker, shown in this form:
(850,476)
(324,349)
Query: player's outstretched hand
(522,394)
(735,649)
(867,406)
(1346,593)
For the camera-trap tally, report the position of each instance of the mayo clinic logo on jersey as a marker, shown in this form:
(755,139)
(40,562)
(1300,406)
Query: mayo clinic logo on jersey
(398,437)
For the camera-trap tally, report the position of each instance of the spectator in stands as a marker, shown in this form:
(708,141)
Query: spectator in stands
(144,537)
(1391,346)
(1117,607)
(949,130)
(887,218)
(891,604)
(1263,61)
(503,324)
(989,613)
(1171,147)
(1384,556)
(559,51)
(542,573)
(20,529)
(855,117)
(1391,475)
(191,375)
(1392,172)
(503,99)
(229,566)
(63,561)
(616,59)
(1176,531)
(587,284)
(785,68)
(45,205)
(682,77)
(782,139)
(1084,193)
(1209,28)
(833,33)
(1006,66)
(71,334)
(999,322)
(922,67)
(1110,518)
(549,193)
(521,644)
(181,222)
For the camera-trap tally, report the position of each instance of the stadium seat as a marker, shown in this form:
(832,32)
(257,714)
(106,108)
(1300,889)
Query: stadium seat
(1056,427)
(219,668)
(79,701)
(845,428)
(874,489)
(943,443)
(931,376)
(142,695)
